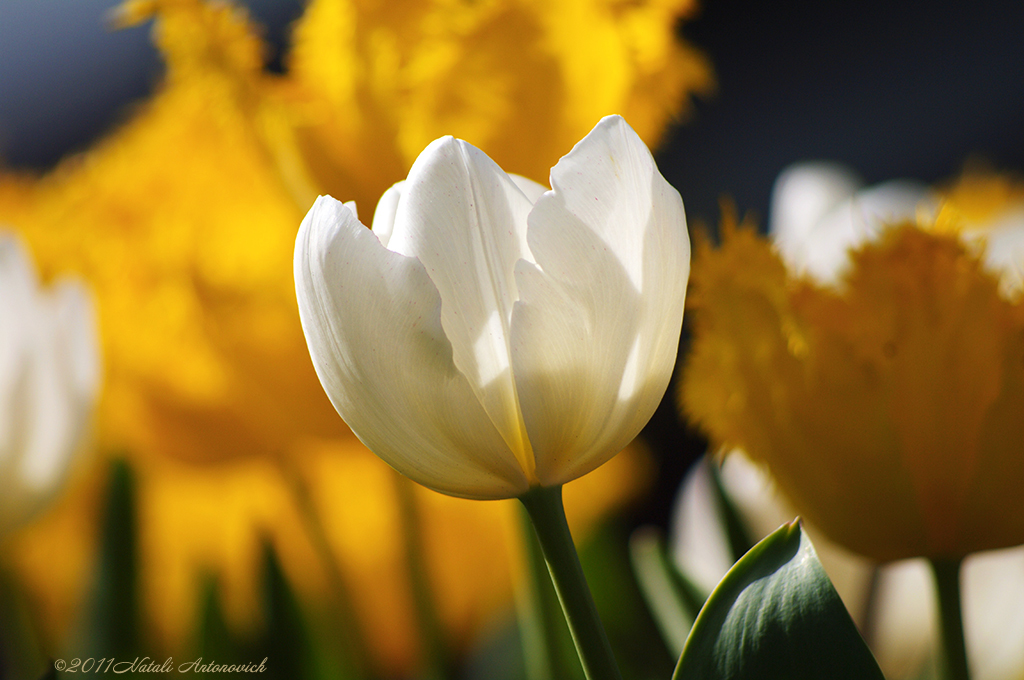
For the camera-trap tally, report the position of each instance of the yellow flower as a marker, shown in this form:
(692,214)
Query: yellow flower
(885,391)
(183,222)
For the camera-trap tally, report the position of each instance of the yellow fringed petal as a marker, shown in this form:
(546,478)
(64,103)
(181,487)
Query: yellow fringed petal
(373,83)
(891,411)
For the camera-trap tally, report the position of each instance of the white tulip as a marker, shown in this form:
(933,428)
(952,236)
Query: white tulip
(49,378)
(820,212)
(488,336)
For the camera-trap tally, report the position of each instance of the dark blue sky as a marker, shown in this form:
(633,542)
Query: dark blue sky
(892,88)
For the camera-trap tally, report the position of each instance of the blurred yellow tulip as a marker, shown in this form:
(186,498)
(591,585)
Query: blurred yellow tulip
(884,388)
(183,222)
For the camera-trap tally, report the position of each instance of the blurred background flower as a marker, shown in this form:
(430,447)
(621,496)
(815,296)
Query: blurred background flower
(885,393)
(49,380)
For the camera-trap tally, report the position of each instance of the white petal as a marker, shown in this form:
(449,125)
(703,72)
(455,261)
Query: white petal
(79,333)
(465,220)
(993,590)
(858,220)
(52,418)
(384,215)
(17,314)
(905,626)
(802,196)
(49,376)
(65,384)
(699,542)
(1004,250)
(532,190)
(596,329)
(372,321)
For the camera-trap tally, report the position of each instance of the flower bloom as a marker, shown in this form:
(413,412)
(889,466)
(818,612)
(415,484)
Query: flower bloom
(49,377)
(873,361)
(488,336)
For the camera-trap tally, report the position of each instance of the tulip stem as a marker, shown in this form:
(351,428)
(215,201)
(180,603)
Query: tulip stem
(544,505)
(947,587)
(535,599)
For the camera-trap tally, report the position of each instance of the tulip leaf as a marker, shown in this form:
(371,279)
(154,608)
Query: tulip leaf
(286,641)
(776,615)
(673,600)
(114,611)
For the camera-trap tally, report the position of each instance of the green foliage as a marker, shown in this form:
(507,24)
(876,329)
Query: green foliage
(674,601)
(112,626)
(632,632)
(776,615)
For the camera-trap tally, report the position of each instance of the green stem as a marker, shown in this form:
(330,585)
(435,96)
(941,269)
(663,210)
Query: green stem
(537,637)
(544,506)
(947,586)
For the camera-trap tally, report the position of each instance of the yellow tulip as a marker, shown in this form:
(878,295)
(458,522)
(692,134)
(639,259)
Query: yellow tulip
(872,360)
(183,222)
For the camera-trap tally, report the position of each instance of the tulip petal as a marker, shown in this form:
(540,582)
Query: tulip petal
(372,320)
(802,196)
(64,383)
(532,190)
(465,220)
(596,328)
(16,291)
(49,372)
(1004,252)
(854,222)
(384,215)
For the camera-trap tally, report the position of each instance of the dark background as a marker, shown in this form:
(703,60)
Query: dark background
(894,89)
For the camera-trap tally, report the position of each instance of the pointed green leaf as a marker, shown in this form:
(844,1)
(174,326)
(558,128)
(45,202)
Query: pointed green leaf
(776,615)
(286,640)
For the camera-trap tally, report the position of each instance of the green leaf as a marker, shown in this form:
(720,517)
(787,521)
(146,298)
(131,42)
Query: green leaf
(286,641)
(776,615)
(673,600)
(113,623)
